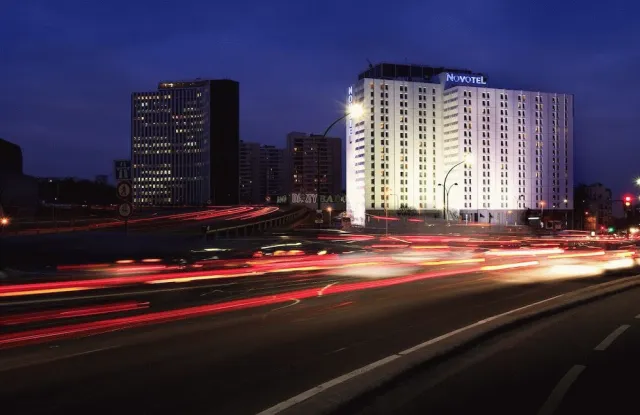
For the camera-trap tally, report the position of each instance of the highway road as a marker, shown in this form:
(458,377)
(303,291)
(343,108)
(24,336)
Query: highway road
(583,361)
(245,361)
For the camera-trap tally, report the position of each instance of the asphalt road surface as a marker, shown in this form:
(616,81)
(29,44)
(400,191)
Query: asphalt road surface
(583,361)
(246,361)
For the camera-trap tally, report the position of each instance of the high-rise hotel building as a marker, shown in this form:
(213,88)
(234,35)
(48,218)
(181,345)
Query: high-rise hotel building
(501,150)
(185,143)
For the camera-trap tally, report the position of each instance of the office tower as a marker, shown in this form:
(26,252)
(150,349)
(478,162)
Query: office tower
(185,143)
(309,157)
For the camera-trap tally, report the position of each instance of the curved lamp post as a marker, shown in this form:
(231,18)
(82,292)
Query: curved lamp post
(467,159)
(354,110)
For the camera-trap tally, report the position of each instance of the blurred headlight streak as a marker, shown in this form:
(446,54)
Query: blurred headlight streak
(618,264)
(509,266)
(518,252)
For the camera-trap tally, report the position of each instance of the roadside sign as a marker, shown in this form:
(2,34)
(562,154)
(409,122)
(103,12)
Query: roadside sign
(125,210)
(319,216)
(123,169)
(124,190)
(267,199)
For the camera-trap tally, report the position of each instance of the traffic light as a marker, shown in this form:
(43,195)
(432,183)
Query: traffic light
(611,229)
(627,201)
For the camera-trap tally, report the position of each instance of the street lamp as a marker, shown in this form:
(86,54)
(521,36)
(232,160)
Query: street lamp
(468,160)
(386,208)
(353,110)
(448,190)
(329,210)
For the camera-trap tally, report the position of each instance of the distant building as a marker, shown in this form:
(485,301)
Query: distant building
(261,172)
(595,206)
(18,192)
(185,143)
(10,157)
(309,156)
(249,172)
(272,172)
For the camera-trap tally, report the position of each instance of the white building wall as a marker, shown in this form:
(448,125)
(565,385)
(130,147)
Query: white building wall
(408,146)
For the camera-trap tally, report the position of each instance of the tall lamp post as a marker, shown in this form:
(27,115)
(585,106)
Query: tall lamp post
(449,191)
(354,110)
(467,159)
(386,208)
(447,196)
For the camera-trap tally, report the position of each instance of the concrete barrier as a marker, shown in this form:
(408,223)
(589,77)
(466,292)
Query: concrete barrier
(252,228)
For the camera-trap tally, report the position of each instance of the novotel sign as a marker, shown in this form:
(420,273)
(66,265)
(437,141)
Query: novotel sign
(350,120)
(466,79)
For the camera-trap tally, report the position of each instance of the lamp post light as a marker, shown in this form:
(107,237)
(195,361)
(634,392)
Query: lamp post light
(566,222)
(329,210)
(467,159)
(353,110)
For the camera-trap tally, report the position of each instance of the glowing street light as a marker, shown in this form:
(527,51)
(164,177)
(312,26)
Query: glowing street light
(4,221)
(355,110)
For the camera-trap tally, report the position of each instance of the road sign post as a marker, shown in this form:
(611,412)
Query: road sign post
(124,190)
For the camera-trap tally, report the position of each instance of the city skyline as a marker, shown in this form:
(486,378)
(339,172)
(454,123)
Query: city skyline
(76,128)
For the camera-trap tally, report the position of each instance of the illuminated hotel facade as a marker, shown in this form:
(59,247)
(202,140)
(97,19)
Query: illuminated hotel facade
(504,150)
(185,143)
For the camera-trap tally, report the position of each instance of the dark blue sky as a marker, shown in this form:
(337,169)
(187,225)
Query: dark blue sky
(68,66)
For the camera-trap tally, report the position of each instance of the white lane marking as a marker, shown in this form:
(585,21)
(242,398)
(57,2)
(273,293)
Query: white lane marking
(561,389)
(327,286)
(295,301)
(340,379)
(34,362)
(324,386)
(612,337)
(476,324)
(336,351)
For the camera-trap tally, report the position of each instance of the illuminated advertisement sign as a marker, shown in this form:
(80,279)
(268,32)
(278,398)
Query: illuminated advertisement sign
(349,102)
(309,199)
(466,79)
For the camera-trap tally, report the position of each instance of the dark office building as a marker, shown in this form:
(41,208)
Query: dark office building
(185,143)
(10,158)
(225,141)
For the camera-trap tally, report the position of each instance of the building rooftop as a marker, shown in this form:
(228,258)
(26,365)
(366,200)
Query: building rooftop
(408,72)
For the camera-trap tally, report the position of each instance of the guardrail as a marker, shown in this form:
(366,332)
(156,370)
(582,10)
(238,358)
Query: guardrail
(256,227)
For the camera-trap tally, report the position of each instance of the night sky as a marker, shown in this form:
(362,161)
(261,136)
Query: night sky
(68,66)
